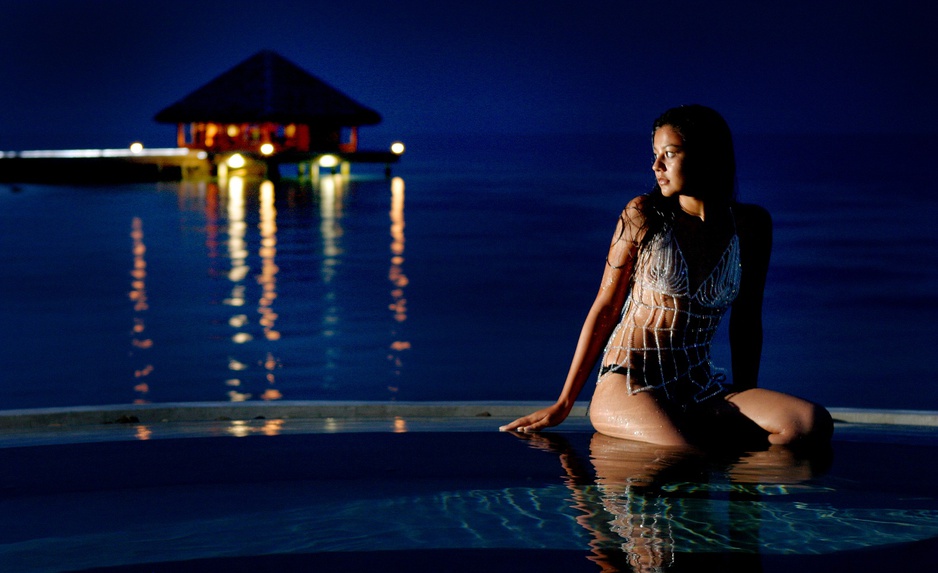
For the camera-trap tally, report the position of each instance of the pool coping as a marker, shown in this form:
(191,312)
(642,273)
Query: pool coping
(122,422)
(65,417)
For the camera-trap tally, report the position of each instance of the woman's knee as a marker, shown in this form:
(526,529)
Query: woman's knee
(807,423)
(822,423)
(788,419)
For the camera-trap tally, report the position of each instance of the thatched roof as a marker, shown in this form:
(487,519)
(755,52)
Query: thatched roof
(268,87)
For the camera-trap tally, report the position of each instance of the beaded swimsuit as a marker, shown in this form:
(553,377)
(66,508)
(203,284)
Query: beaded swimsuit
(662,341)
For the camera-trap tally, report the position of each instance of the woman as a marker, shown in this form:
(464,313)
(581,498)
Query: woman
(681,256)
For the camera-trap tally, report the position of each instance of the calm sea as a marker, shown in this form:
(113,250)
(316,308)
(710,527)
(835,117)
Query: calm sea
(464,277)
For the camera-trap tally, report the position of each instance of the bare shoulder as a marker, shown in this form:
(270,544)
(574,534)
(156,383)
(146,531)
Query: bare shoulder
(634,211)
(632,220)
(635,207)
(637,202)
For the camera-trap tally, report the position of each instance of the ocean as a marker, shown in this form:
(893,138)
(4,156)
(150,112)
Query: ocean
(464,276)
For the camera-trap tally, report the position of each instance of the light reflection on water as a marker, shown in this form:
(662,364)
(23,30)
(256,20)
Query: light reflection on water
(140,342)
(266,278)
(331,192)
(292,292)
(398,279)
(239,224)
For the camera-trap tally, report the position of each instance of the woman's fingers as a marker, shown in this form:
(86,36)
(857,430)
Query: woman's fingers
(545,421)
(520,425)
(544,418)
(531,423)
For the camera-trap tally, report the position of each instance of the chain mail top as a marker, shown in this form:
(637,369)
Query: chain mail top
(662,341)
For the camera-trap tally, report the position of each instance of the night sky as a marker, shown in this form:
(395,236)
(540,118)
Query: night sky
(93,73)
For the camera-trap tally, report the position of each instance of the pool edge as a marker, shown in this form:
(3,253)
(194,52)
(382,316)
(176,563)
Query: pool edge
(298,410)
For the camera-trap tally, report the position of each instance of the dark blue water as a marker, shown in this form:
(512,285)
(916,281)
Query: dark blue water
(287,499)
(465,278)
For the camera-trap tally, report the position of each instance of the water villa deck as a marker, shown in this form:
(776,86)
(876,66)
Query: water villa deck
(83,166)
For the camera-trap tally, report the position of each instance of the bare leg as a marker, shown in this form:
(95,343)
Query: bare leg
(788,419)
(614,412)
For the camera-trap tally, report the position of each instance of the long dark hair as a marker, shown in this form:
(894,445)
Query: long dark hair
(709,164)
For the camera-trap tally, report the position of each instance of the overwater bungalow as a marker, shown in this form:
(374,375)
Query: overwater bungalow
(267,110)
(268,105)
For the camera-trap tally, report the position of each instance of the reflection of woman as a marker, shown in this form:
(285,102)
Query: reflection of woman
(630,500)
(681,257)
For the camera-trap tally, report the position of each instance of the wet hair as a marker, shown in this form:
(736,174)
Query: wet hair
(709,163)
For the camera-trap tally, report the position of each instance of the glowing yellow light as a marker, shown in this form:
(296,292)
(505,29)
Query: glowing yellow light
(328,161)
(400,425)
(233,131)
(236,161)
(267,148)
(136,147)
(271,394)
(397,148)
(239,428)
(272,427)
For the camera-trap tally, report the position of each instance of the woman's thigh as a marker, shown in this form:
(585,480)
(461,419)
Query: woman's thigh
(787,418)
(614,412)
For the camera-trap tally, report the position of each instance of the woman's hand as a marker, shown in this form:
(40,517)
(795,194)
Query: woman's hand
(600,321)
(543,418)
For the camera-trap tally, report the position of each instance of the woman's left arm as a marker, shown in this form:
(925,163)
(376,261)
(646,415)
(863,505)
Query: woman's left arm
(754,227)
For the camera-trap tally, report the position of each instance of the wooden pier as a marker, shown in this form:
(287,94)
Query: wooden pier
(81,166)
(87,166)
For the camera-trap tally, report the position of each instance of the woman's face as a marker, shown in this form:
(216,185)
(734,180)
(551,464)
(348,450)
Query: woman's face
(668,147)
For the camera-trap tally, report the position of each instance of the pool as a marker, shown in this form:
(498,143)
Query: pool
(424,493)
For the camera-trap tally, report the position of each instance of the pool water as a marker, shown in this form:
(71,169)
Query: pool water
(415,495)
